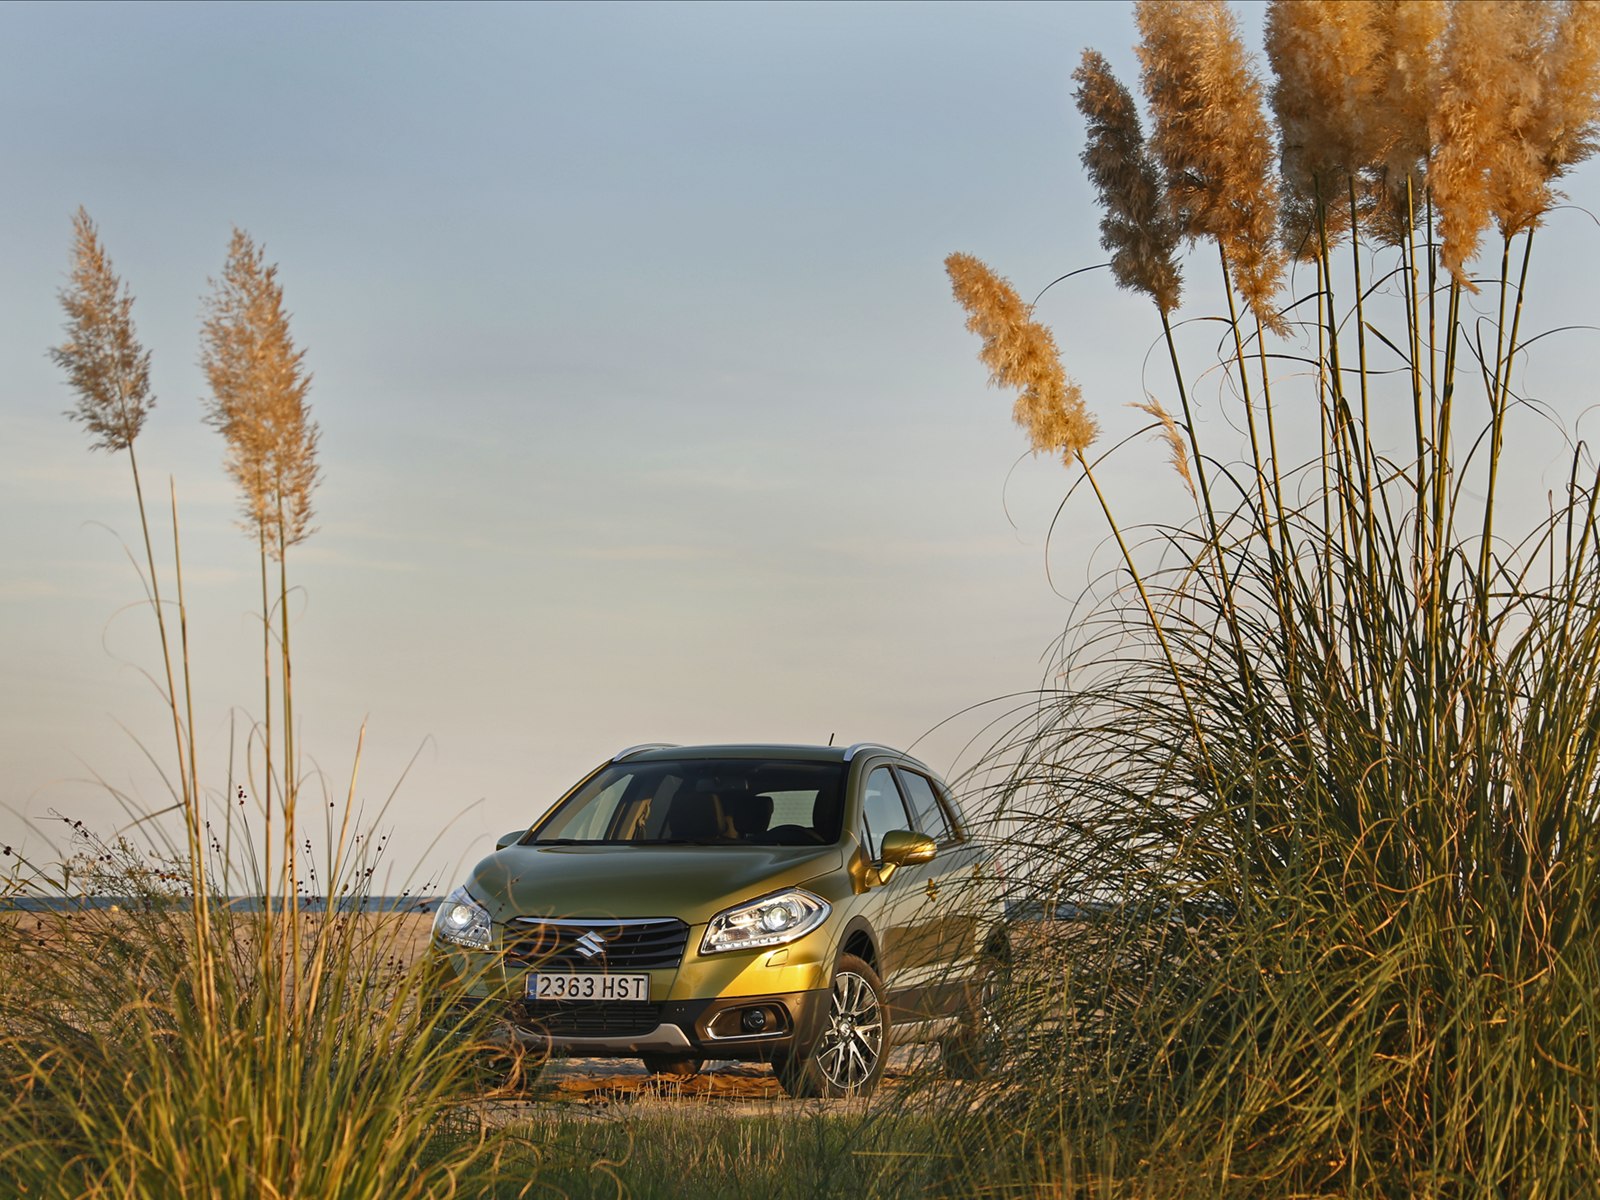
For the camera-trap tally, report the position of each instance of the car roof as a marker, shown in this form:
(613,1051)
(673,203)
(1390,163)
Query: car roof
(794,753)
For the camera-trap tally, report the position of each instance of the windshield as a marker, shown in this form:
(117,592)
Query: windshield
(752,802)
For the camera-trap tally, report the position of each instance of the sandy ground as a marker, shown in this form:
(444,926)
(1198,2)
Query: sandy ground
(600,1087)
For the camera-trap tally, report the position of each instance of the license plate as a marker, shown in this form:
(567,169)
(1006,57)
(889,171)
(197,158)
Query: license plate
(546,986)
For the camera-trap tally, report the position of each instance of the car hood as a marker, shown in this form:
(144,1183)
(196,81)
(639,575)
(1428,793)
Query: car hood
(692,883)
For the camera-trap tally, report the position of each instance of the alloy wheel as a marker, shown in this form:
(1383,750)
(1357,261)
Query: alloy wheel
(849,1050)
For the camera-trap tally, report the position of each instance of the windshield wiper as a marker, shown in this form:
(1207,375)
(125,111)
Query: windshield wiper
(634,842)
(683,842)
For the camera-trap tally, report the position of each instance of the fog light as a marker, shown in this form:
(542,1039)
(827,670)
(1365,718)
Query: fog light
(754,1020)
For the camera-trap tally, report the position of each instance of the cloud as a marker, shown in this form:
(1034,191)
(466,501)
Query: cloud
(649,552)
(903,550)
(312,552)
(30,589)
(739,480)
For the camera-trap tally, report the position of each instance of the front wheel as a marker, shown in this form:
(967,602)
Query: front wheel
(848,1058)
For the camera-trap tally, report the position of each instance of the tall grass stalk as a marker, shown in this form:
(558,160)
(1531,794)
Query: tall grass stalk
(259,386)
(109,370)
(1322,783)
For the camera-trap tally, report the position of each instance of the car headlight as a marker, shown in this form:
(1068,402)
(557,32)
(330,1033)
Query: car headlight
(462,920)
(770,921)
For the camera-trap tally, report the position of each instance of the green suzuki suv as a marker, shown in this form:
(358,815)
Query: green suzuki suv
(805,906)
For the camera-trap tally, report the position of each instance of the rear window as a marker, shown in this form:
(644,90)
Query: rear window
(930,814)
(754,802)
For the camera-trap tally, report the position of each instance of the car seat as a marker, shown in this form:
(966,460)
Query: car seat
(751,815)
(693,817)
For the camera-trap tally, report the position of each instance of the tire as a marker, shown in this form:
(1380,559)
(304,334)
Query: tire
(848,1057)
(978,1051)
(668,1066)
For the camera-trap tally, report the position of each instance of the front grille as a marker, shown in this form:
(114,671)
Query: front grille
(590,1018)
(642,945)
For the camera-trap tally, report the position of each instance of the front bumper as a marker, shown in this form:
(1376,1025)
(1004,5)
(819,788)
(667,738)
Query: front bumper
(716,1028)
(753,1005)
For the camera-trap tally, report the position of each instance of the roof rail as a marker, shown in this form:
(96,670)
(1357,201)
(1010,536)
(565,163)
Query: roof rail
(859,746)
(641,748)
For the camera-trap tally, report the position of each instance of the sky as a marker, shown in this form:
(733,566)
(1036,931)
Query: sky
(645,411)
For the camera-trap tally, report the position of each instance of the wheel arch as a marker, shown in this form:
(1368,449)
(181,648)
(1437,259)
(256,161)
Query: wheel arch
(860,939)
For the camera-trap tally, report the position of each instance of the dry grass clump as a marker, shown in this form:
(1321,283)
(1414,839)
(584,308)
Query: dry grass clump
(1322,767)
(128,1074)
(1323,57)
(183,1044)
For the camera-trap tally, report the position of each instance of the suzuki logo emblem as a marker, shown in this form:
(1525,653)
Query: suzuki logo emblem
(591,945)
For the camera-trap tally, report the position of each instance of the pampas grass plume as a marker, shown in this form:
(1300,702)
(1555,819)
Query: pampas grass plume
(1170,434)
(1408,35)
(259,386)
(1021,353)
(1565,125)
(1212,136)
(1136,226)
(101,355)
(1325,58)
(1489,88)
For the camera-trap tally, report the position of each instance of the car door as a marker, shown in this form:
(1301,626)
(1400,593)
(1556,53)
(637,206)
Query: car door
(906,913)
(951,886)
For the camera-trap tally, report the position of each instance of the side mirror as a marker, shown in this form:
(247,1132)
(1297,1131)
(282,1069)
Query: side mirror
(510,839)
(902,848)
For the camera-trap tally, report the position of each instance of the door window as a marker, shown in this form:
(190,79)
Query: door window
(882,809)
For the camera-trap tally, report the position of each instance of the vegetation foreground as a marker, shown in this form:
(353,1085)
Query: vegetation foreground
(1317,777)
